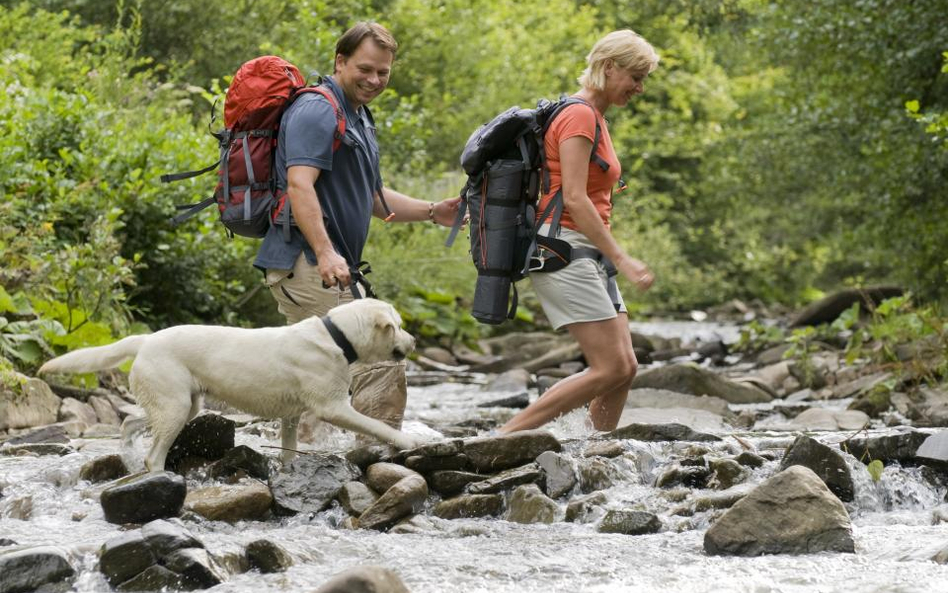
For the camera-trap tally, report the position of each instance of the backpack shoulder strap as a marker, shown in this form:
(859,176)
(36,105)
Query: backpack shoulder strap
(594,155)
(339,137)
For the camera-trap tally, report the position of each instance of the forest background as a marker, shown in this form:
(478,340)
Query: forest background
(781,149)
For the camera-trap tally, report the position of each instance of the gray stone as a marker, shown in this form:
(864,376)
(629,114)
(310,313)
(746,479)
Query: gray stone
(268,557)
(899,447)
(153,578)
(724,499)
(604,449)
(356,497)
(73,410)
(470,505)
(515,380)
(518,401)
(826,419)
(659,432)
(144,497)
(164,537)
(364,579)
(749,459)
(451,482)
(690,476)
(596,473)
(363,457)
(825,462)
(727,473)
(31,568)
(629,522)
(509,450)
(698,420)
(405,497)
(560,475)
(196,567)
(104,410)
(663,398)
(529,505)
(209,436)
(791,513)
(36,405)
(505,480)
(103,469)
(54,433)
(934,449)
(123,557)
(694,380)
(585,509)
(247,500)
(310,483)
(241,458)
(37,449)
(382,476)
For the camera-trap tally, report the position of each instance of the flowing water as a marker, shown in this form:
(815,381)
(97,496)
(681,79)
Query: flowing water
(45,503)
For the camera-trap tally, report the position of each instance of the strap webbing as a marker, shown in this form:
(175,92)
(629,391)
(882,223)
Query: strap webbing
(192,209)
(189,174)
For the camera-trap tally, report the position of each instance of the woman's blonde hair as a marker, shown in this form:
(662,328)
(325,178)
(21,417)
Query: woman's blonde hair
(626,48)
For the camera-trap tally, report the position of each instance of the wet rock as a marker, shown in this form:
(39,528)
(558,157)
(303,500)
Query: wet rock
(528,350)
(629,522)
(470,505)
(774,374)
(309,483)
(791,513)
(604,449)
(694,380)
(724,499)
(934,450)
(248,500)
(831,306)
(382,476)
(144,497)
(356,497)
(439,355)
(73,410)
(153,578)
(363,457)
(698,420)
(32,568)
(451,482)
(54,433)
(407,496)
(37,449)
(772,355)
(125,556)
(544,383)
(560,477)
(659,432)
(104,411)
(36,405)
(103,469)
(826,419)
(6,542)
(825,462)
(364,579)
(749,459)
(241,457)
(509,450)
(586,509)
(596,473)
(268,557)
(896,447)
(663,398)
(209,437)
(505,480)
(928,407)
(856,387)
(430,464)
(727,473)
(690,476)
(164,537)
(518,401)
(529,505)
(196,567)
(514,381)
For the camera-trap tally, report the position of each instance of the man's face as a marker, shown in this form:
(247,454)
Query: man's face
(364,75)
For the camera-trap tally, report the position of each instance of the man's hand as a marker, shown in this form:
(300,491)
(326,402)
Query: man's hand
(333,269)
(446,211)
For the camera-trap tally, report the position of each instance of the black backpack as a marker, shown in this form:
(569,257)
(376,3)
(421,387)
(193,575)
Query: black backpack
(506,166)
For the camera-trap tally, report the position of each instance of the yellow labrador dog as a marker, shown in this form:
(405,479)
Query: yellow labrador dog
(275,372)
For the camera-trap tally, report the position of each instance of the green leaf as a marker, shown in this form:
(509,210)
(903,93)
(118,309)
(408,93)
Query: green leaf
(875,468)
(6,301)
(912,106)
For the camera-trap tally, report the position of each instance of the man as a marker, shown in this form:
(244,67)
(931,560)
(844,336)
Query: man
(332,195)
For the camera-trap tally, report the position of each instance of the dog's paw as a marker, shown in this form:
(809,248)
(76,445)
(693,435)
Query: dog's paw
(408,442)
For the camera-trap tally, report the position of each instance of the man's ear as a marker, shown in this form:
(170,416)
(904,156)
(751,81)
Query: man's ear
(339,63)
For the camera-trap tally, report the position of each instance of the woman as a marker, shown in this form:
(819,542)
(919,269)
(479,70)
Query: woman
(577,297)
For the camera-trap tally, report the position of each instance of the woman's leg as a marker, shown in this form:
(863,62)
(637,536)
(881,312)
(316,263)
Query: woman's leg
(607,347)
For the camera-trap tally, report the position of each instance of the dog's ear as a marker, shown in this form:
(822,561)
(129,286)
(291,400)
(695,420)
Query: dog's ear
(385,327)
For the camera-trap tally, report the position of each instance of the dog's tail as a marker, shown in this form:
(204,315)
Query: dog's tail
(86,360)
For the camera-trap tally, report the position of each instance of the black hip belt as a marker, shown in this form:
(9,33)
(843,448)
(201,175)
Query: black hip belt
(554,254)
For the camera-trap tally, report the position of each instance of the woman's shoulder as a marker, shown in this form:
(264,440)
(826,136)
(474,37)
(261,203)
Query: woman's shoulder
(578,119)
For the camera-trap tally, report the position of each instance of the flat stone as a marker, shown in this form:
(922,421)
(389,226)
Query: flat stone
(629,522)
(32,568)
(144,497)
(470,505)
(659,432)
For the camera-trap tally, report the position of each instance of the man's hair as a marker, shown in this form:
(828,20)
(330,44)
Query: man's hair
(350,40)
(626,48)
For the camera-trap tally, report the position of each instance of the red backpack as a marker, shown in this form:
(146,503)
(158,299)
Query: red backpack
(246,193)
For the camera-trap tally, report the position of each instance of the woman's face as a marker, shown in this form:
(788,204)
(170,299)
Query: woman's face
(623,83)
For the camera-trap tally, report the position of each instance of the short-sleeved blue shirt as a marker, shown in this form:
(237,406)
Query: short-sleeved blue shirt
(347,182)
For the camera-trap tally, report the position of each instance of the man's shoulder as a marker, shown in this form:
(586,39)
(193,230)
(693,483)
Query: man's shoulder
(309,107)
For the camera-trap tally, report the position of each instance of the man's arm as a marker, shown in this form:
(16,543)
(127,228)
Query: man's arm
(407,209)
(308,215)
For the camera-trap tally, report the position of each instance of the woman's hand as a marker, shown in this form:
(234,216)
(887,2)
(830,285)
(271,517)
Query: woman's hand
(636,271)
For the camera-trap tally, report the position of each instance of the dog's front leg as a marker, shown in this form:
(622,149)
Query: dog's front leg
(288,437)
(345,416)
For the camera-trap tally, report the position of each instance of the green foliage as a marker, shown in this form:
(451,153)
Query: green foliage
(757,336)
(875,469)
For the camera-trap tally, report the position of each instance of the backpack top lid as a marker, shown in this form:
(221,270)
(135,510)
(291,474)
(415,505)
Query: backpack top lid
(260,89)
(496,136)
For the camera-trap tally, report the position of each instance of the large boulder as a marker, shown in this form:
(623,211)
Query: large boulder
(489,454)
(309,483)
(659,432)
(791,513)
(694,380)
(828,308)
(827,463)
(899,447)
(144,497)
(35,405)
(31,568)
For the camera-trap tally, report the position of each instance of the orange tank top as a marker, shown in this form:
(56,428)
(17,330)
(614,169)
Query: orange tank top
(580,120)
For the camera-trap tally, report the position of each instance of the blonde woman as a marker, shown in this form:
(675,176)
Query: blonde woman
(582,297)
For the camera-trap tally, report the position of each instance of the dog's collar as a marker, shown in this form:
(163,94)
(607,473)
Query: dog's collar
(340,339)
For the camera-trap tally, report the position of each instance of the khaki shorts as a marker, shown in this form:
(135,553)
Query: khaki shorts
(379,390)
(579,292)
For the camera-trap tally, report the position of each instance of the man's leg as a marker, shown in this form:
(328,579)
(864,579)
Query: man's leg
(380,390)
